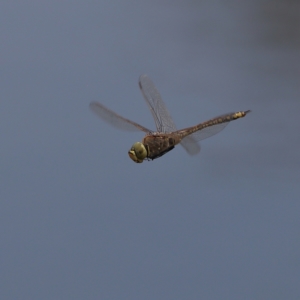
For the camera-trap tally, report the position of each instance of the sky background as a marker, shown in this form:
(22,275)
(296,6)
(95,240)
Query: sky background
(80,220)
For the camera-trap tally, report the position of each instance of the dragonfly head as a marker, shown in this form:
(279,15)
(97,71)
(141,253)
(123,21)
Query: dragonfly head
(137,152)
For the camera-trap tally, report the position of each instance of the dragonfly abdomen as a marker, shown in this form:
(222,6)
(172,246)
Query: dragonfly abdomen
(213,125)
(222,119)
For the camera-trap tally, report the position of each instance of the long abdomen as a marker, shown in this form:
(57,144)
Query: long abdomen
(213,122)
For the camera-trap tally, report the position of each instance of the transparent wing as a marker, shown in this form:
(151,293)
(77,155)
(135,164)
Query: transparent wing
(114,119)
(211,128)
(162,118)
(190,145)
(207,132)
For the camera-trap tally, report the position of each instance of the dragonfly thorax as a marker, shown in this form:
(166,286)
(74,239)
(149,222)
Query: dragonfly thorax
(137,152)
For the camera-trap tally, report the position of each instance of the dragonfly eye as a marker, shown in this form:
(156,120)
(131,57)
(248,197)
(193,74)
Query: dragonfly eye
(137,152)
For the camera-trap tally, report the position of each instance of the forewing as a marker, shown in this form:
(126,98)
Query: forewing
(114,119)
(162,118)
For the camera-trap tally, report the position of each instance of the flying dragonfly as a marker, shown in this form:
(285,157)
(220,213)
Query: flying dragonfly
(157,143)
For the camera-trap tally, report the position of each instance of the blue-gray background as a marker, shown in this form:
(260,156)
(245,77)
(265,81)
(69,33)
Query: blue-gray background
(80,220)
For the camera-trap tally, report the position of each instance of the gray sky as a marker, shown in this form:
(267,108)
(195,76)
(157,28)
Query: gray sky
(80,220)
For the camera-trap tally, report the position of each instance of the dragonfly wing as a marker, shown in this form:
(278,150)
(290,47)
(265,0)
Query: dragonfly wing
(208,131)
(190,145)
(162,118)
(211,127)
(114,119)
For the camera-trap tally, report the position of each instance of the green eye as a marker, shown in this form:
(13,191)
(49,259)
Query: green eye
(138,152)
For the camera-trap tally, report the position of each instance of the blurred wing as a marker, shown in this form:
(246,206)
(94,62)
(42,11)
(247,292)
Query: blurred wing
(208,132)
(190,145)
(162,118)
(213,126)
(114,119)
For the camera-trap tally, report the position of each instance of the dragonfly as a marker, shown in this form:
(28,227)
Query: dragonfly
(157,143)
